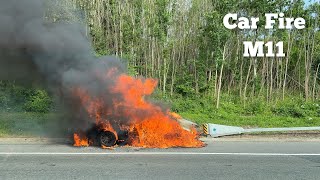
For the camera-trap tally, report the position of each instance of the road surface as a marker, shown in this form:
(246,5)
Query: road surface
(219,160)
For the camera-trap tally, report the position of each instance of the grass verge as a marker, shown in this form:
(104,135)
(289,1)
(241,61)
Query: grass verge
(25,124)
(253,121)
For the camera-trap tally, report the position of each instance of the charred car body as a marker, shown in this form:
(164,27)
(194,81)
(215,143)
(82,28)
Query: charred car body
(98,136)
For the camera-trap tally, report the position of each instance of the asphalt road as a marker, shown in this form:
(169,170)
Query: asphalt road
(219,160)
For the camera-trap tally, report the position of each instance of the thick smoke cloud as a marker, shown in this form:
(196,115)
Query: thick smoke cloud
(58,55)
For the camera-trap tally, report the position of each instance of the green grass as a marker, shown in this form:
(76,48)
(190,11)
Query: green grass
(25,124)
(253,121)
(291,112)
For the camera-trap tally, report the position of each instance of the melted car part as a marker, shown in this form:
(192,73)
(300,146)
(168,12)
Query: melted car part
(123,137)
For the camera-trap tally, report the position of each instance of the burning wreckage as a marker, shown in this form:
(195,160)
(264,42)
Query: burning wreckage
(131,119)
(97,135)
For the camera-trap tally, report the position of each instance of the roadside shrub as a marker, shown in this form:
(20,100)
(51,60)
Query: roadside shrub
(4,100)
(184,104)
(12,97)
(291,109)
(255,107)
(39,101)
(230,108)
(311,108)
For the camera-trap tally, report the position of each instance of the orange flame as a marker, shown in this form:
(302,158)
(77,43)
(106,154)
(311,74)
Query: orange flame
(149,125)
(80,140)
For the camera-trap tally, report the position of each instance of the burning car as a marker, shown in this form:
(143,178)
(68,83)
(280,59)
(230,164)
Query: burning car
(123,115)
(98,136)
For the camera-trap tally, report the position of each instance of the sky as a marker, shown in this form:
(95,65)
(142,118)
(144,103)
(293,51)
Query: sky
(307,2)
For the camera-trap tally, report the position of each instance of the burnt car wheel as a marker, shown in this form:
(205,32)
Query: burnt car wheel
(107,138)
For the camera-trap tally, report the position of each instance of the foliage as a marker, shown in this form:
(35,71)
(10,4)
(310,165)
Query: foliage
(296,108)
(255,107)
(290,113)
(185,45)
(18,98)
(39,101)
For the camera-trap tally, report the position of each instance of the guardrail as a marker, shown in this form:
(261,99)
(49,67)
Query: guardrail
(217,130)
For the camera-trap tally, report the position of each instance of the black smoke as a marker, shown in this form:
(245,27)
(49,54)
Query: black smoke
(56,53)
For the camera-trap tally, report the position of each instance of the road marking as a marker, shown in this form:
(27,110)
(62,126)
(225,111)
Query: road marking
(156,153)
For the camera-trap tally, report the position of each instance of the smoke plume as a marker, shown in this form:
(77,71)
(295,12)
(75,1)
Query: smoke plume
(36,48)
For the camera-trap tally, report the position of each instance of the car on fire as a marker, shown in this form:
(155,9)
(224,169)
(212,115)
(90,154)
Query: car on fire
(100,137)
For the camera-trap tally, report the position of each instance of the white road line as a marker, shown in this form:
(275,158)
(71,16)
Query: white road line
(155,153)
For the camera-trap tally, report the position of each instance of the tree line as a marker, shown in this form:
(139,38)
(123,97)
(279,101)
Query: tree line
(185,45)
